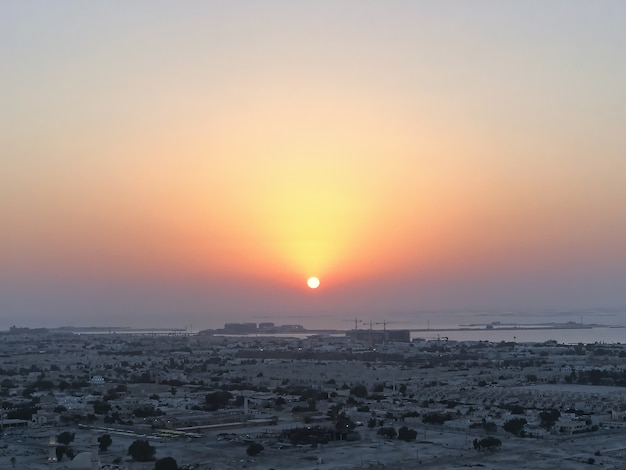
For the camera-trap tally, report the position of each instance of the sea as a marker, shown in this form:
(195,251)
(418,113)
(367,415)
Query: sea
(589,326)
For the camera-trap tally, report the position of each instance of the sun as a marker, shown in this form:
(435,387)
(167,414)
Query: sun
(313,282)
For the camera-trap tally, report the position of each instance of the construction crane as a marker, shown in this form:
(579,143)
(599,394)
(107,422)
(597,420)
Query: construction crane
(385,323)
(356,322)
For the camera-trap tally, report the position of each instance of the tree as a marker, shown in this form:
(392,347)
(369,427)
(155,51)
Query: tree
(488,443)
(146,411)
(406,434)
(101,407)
(351,401)
(344,423)
(435,418)
(333,411)
(6,383)
(549,417)
(64,450)
(389,433)
(254,449)
(490,426)
(217,400)
(359,391)
(141,451)
(104,442)
(166,463)
(515,426)
(65,438)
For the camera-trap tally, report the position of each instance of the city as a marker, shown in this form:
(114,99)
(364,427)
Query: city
(212,401)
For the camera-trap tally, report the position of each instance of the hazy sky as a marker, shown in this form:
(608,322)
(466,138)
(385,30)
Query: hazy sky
(173,163)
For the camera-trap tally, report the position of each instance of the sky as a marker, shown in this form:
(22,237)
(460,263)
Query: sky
(167,164)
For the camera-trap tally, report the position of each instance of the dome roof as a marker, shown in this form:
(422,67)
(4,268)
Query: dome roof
(82,461)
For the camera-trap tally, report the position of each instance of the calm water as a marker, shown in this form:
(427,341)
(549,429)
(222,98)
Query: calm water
(583,335)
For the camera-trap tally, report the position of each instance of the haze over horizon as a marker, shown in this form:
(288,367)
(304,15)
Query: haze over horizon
(166,164)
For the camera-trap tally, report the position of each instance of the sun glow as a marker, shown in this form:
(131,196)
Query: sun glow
(313,282)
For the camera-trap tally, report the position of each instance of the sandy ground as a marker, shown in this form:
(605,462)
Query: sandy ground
(433,449)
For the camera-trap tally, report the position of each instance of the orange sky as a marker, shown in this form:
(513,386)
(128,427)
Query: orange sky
(412,156)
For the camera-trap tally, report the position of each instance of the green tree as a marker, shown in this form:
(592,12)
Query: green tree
(146,411)
(101,407)
(549,417)
(6,383)
(65,438)
(359,391)
(64,450)
(166,463)
(490,426)
(217,400)
(488,443)
(104,442)
(406,434)
(435,418)
(344,423)
(254,449)
(333,411)
(515,426)
(141,451)
(389,432)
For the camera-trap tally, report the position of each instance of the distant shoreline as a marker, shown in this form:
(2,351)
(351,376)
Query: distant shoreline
(490,327)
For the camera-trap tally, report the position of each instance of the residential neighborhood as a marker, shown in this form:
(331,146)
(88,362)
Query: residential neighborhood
(216,401)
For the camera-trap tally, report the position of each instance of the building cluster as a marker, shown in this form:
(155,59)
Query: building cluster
(201,385)
(253,328)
